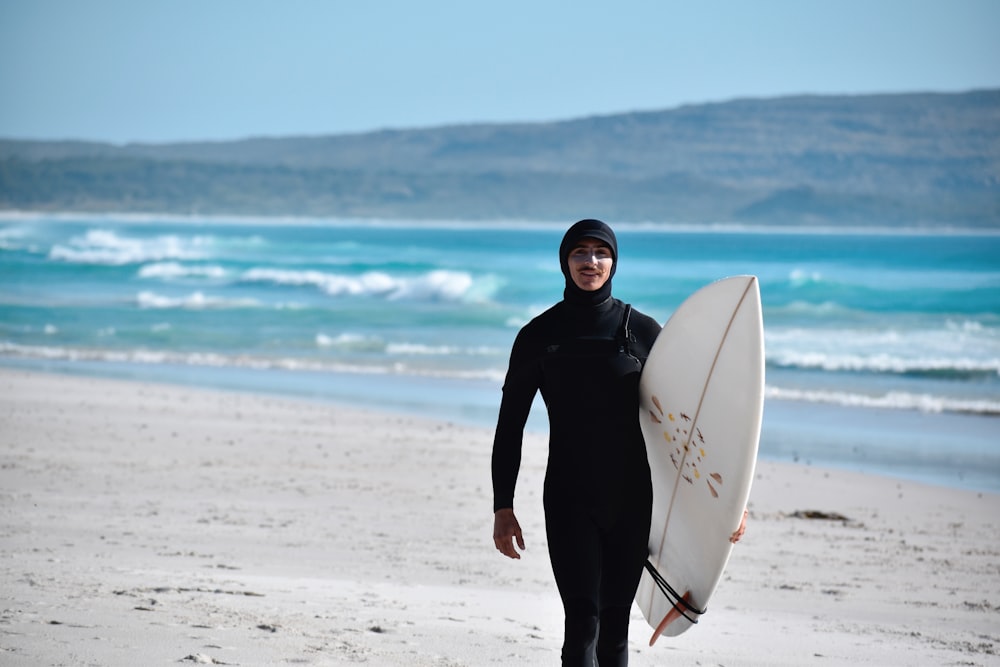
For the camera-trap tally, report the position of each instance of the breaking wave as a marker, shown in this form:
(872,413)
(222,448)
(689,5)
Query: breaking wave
(437,285)
(99,246)
(895,400)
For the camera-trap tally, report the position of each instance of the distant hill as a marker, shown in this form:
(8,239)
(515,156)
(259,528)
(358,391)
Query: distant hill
(924,159)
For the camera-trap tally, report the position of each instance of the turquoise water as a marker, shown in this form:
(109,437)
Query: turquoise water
(883,350)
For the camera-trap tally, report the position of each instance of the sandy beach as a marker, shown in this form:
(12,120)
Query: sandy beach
(153,524)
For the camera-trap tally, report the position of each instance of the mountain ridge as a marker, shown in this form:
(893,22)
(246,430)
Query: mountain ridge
(921,158)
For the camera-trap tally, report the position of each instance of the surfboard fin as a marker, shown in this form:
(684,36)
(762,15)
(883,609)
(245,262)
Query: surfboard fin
(675,612)
(681,603)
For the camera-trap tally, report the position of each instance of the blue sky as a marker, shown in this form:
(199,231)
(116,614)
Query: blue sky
(169,70)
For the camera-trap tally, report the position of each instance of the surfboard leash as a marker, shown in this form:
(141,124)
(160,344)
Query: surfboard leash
(682,605)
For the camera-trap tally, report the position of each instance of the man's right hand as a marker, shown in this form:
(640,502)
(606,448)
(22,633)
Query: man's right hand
(506,530)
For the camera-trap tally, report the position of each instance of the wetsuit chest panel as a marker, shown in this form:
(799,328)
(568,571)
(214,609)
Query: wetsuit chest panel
(588,385)
(585,373)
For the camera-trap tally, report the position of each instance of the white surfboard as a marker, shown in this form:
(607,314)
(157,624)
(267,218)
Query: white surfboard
(701,403)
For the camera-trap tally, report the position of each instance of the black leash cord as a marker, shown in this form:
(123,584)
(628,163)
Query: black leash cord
(679,602)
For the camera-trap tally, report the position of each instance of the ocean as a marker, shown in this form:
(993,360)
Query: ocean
(883,347)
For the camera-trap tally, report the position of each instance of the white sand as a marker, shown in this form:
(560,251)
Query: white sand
(148,524)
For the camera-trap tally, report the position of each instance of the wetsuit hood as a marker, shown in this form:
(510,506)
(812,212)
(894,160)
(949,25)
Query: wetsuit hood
(594,229)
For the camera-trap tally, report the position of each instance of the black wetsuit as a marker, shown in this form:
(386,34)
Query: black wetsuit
(597,493)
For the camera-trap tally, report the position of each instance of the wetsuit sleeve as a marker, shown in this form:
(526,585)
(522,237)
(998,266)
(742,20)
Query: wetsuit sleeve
(520,386)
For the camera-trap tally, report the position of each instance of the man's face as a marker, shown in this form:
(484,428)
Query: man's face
(590,263)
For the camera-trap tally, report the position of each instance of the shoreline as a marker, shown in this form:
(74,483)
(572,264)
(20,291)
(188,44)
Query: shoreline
(899,444)
(158,523)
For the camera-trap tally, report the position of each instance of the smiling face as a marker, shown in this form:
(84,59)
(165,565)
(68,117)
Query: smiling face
(590,263)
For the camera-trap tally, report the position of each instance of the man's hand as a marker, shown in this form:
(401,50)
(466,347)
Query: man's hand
(738,533)
(506,527)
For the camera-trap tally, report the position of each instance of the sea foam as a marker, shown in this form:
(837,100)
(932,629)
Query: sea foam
(193,301)
(436,285)
(175,270)
(100,246)
(221,360)
(960,348)
(895,400)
